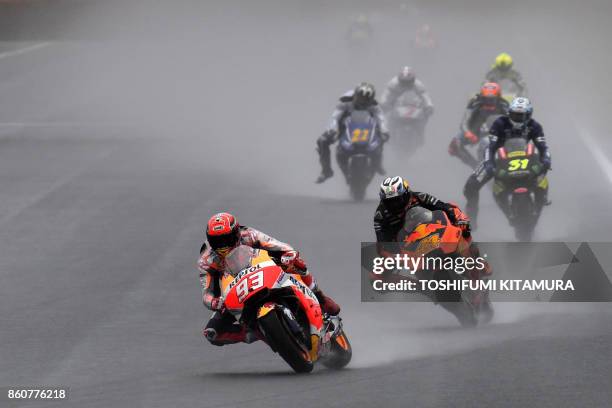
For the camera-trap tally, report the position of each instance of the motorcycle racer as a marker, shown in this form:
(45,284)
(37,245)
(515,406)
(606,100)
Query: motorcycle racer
(483,105)
(503,69)
(404,82)
(362,98)
(406,89)
(224,234)
(517,123)
(396,198)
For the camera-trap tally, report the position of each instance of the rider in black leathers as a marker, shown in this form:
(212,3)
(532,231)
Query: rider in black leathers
(518,123)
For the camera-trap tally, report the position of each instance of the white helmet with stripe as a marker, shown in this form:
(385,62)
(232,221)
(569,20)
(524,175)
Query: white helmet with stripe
(393,187)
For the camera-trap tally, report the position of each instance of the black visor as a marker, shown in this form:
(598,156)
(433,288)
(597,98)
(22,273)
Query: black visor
(224,241)
(519,117)
(395,204)
(361,101)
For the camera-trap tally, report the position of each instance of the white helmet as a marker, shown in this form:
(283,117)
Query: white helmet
(520,111)
(394,193)
(406,77)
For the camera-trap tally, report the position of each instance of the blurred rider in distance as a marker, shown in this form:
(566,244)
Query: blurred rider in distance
(362,98)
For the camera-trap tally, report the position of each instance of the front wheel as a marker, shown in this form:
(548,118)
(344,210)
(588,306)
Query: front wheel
(340,354)
(280,338)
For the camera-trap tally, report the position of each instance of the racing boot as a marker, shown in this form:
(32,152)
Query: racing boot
(471,209)
(324,157)
(328,305)
(326,173)
(242,335)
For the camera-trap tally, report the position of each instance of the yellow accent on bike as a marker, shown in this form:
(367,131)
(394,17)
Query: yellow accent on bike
(517,153)
(342,342)
(498,188)
(314,350)
(264,310)
(360,135)
(262,256)
(516,164)
(543,184)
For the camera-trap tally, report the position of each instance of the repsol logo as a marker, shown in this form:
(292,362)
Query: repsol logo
(303,288)
(242,274)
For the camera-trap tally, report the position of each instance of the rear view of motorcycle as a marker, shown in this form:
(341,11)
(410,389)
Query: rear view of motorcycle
(430,234)
(359,147)
(407,122)
(521,186)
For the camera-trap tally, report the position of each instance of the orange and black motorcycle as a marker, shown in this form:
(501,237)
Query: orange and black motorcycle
(431,235)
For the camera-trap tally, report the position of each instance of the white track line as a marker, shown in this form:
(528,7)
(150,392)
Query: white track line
(602,160)
(23,50)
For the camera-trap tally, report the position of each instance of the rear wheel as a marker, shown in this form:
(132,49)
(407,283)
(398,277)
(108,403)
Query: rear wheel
(359,176)
(523,210)
(463,312)
(340,354)
(358,190)
(284,343)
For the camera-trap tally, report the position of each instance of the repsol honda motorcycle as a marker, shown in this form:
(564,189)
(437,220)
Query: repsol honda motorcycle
(283,311)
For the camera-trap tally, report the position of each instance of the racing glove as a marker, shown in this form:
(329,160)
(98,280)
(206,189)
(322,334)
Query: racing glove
(385,136)
(292,263)
(216,304)
(546,163)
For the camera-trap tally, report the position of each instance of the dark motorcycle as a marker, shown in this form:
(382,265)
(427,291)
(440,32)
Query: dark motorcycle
(360,140)
(521,186)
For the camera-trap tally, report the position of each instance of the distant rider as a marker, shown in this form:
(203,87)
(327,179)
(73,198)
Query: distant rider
(223,234)
(517,123)
(503,69)
(402,85)
(488,102)
(362,98)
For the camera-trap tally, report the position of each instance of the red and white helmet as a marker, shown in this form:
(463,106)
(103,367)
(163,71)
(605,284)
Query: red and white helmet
(223,232)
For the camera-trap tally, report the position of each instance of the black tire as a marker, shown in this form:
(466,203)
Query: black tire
(358,177)
(463,312)
(486,312)
(523,210)
(339,356)
(524,233)
(358,191)
(283,342)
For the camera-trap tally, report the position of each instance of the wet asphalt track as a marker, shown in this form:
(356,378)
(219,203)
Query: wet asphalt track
(112,158)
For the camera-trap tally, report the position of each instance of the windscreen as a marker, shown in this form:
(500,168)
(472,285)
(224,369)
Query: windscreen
(239,258)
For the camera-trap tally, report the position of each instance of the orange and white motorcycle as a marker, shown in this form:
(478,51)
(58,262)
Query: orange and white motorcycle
(281,308)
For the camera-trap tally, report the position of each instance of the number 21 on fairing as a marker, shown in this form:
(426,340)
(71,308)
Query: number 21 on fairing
(249,284)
